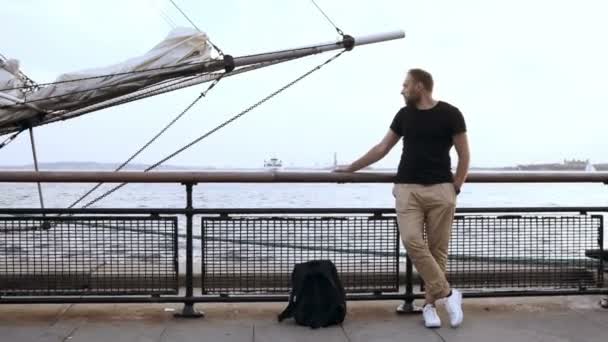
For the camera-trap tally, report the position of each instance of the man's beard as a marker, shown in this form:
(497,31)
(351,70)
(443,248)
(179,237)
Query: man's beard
(412,101)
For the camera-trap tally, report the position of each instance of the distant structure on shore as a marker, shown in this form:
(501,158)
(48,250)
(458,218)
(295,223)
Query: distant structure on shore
(277,164)
(566,165)
(273,163)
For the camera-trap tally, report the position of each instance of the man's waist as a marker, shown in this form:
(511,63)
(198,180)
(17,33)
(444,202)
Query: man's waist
(424,176)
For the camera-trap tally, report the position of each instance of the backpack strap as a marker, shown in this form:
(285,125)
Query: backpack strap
(296,289)
(288,312)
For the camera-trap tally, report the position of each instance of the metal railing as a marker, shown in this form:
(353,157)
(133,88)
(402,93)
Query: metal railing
(88,255)
(126,255)
(285,177)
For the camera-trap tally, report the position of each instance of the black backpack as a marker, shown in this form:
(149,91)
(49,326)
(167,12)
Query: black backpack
(317,297)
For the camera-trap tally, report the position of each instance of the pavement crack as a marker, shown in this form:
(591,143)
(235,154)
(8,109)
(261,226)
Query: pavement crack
(70,334)
(438,334)
(61,313)
(344,332)
(162,334)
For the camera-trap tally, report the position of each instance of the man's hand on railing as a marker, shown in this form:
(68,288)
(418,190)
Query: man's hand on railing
(342,168)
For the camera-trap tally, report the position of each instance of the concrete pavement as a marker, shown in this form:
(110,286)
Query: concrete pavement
(575,318)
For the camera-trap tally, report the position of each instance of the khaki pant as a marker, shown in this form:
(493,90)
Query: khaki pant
(431,205)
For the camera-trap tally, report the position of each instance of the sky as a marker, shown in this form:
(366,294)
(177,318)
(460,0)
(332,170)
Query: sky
(529,77)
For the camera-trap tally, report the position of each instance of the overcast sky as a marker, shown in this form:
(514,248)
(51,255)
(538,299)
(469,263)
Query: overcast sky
(529,77)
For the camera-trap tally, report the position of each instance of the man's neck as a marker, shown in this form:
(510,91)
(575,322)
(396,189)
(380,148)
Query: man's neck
(426,103)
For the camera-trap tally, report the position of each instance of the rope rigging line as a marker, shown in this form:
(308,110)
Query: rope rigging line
(173,83)
(168,20)
(183,83)
(30,84)
(26,102)
(326,17)
(227,61)
(225,123)
(185,16)
(107,75)
(62,114)
(11,138)
(135,94)
(196,27)
(151,90)
(162,87)
(33,144)
(165,16)
(103,76)
(146,145)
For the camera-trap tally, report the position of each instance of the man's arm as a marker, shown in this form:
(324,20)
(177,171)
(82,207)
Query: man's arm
(461,143)
(374,154)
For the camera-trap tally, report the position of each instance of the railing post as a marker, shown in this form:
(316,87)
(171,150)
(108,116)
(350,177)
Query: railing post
(603,301)
(189,311)
(408,302)
(600,244)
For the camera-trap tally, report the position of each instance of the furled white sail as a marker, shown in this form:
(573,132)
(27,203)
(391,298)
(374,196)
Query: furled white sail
(181,50)
(181,60)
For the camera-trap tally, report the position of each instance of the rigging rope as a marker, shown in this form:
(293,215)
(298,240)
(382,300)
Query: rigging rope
(225,123)
(108,75)
(11,138)
(165,16)
(33,144)
(196,27)
(184,14)
(172,83)
(330,21)
(175,85)
(151,90)
(101,87)
(201,95)
(151,69)
(147,70)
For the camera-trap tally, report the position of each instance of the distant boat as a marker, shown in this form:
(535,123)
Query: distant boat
(589,167)
(273,163)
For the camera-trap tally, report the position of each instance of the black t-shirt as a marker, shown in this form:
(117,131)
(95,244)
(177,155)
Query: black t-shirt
(427,140)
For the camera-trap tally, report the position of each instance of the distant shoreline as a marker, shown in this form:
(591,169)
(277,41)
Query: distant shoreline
(95,166)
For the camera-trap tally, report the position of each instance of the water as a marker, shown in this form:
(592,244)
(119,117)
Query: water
(281,195)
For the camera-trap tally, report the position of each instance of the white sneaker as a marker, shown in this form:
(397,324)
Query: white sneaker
(453,305)
(431,319)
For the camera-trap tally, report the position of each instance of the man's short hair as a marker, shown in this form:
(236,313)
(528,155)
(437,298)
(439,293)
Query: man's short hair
(423,77)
